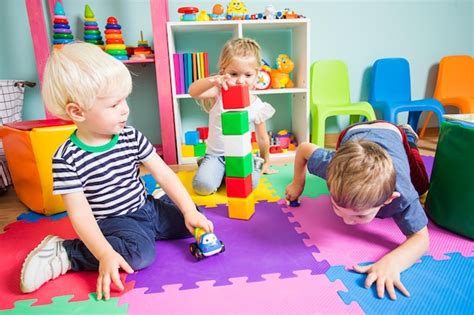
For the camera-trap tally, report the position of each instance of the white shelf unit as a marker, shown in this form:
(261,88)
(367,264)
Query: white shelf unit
(297,33)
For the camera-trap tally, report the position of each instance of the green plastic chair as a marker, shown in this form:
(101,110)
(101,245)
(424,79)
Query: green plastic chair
(330,96)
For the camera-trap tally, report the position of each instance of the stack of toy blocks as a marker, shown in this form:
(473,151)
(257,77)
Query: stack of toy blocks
(195,142)
(238,152)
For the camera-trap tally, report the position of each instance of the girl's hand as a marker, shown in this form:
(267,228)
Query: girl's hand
(109,266)
(195,219)
(223,81)
(267,170)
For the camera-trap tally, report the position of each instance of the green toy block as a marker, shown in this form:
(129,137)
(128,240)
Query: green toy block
(235,122)
(200,149)
(238,166)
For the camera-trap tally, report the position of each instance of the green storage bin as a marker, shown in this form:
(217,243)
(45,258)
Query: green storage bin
(450,201)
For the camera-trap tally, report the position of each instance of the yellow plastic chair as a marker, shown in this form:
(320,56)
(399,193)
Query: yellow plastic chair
(330,96)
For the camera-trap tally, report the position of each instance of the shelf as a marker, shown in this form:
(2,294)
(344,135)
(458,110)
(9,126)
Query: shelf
(230,25)
(262,92)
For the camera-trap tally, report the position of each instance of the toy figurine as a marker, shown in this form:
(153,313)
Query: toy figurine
(236,10)
(207,244)
(281,75)
(203,16)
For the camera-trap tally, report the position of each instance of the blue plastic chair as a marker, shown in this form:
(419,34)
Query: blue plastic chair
(390,93)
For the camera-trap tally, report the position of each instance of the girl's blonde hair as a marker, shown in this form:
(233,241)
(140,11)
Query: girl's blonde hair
(79,73)
(234,48)
(361,175)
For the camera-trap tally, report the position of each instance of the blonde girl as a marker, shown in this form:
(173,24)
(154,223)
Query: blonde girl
(239,62)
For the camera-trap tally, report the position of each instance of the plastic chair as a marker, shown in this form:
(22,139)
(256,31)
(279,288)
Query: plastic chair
(390,92)
(330,96)
(455,85)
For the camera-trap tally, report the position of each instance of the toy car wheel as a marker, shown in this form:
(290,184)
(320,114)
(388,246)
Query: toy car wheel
(198,254)
(223,247)
(193,247)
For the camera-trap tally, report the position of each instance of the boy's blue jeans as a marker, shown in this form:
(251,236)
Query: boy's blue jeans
(133,235)
(210,174)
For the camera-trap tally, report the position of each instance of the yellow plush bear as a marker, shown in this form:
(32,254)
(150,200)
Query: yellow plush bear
(281,75)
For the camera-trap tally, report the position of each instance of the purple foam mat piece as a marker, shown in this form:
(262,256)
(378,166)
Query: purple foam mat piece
(428,160)
(267,243)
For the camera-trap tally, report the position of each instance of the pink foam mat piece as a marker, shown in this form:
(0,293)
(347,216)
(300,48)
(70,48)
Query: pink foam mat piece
(18,240)
(347,245)
(303,294)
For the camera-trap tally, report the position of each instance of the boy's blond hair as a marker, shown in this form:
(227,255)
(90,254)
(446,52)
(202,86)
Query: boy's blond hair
(237,47)
(361,175)
(79,73)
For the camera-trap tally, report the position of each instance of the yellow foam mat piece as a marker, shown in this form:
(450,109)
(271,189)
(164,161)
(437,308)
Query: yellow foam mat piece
(263,191)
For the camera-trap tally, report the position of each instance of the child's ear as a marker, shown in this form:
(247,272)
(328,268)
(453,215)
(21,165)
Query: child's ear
(75,112)
(394,196)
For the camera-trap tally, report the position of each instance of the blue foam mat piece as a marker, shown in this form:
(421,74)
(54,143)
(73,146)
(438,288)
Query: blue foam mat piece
(435,286)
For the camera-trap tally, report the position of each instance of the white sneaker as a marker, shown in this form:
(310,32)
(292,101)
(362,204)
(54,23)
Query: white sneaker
(47,261)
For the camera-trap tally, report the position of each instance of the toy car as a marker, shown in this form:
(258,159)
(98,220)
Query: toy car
(207,245)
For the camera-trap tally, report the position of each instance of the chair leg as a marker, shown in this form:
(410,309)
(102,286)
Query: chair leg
(413,119)
(427,120)
(390,116)
(319,130)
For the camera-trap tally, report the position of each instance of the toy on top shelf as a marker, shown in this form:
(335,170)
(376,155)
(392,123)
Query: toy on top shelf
(142,51)
(203,16)
(218,13)
(290,14)
(91,28)
(207,244)
(61,30)
(115,45)
(236,10)
(281,75)
(188,13)
(270,12)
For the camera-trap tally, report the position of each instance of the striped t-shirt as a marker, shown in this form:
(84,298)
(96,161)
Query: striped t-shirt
(108,174)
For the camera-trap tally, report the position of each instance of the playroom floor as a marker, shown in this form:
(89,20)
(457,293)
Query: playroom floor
(282,261)
(11,207)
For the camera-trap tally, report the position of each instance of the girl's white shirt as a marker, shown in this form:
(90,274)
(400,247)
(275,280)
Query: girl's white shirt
(258,111)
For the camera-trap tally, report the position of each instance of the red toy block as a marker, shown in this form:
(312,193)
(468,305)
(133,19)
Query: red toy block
(203,132)
(236,97)
(239,187)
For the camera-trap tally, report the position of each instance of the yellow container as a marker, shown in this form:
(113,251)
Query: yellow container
(29,148)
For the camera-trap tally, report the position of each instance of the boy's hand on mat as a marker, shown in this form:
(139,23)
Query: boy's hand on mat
(386,276)
(293,191)
(196,219)
(109,266)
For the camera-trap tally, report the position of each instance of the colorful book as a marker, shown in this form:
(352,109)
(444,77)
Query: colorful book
(177,74)
(195,67)
(190,70)
(201,68)
(206,65)
(181,78)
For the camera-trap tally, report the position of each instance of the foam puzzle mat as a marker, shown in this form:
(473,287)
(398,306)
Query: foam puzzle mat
(282,261)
